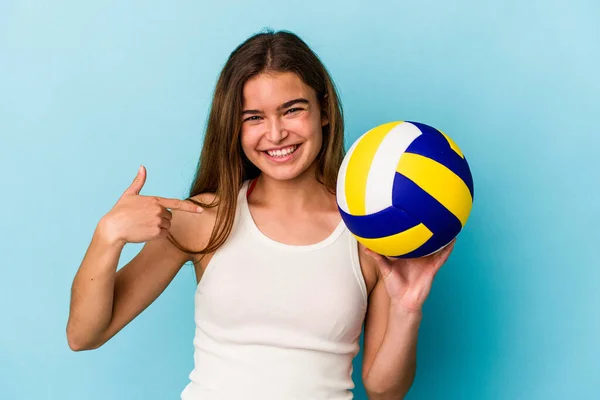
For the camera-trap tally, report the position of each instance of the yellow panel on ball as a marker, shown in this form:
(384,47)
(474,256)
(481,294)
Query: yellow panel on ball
(400,243)
(359,167)
(439,182)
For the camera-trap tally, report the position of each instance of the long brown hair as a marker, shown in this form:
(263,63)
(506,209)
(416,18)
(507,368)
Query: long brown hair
(223,166)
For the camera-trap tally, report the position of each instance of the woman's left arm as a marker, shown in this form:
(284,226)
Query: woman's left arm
(393,320)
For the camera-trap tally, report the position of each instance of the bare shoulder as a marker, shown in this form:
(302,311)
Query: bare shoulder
(369,268)
(192,230)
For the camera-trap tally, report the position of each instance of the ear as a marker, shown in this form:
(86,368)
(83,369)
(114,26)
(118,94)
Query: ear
(324,108)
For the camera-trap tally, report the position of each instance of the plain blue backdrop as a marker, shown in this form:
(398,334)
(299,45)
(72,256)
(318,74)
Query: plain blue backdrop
(91,90)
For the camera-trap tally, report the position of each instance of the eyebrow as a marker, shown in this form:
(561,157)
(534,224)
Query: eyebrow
(281,107)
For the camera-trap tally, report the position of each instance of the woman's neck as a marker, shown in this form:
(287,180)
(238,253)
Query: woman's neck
(300,194)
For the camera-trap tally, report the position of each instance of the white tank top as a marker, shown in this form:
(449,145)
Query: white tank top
(277,321)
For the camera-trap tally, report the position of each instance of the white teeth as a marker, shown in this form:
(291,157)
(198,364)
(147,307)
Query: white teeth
(282,152)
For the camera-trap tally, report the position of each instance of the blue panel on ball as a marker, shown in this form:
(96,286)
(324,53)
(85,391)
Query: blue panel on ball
(424,208)
(432,144)
(389,221)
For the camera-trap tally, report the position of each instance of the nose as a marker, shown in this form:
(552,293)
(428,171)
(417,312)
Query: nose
(276,132)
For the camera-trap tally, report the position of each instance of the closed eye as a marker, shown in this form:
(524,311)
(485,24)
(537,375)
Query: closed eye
(253,118)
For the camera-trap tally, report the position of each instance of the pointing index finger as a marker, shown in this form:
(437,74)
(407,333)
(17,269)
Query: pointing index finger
(177,204)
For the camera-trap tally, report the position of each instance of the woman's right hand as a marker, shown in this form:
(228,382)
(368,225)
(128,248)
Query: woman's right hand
(136,218)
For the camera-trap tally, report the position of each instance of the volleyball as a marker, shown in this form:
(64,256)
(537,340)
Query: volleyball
(404,189)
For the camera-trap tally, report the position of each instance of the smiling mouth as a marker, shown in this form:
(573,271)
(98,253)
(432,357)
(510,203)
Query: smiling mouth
(286,151)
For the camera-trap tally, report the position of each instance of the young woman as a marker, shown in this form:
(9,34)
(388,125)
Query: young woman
(283,287)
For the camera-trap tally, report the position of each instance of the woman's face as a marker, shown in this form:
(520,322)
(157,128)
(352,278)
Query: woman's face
(281,124)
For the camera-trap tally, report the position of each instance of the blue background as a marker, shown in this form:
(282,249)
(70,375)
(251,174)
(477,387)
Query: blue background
(89,91)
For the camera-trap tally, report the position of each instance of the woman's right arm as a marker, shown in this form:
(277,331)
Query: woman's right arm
(103,300)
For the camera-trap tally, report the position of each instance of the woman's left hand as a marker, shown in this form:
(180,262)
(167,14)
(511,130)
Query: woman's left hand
(408,280)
